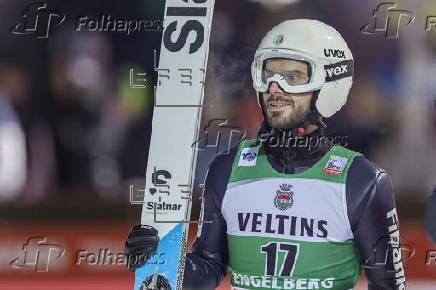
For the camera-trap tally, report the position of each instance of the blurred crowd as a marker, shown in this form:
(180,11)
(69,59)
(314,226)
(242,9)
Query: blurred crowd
(72,127)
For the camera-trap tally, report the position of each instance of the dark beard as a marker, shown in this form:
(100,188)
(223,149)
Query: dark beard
(277,120)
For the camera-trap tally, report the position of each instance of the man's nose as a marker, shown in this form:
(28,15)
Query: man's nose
(274,88)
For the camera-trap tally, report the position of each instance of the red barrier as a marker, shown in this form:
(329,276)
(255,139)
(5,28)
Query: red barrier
(92,256)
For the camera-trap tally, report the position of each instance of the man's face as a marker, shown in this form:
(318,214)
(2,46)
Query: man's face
(283,110)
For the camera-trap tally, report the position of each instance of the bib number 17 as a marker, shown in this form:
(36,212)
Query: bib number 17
(272,250)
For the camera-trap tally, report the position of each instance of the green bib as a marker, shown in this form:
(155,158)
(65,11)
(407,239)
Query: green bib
(289,231)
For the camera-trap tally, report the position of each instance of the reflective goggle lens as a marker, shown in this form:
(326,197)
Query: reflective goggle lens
(294,72)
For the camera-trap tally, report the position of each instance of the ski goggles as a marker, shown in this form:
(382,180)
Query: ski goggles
(292,81)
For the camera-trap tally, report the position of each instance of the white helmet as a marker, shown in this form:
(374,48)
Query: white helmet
(322,48)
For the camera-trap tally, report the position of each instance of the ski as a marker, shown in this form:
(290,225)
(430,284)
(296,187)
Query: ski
(175,127)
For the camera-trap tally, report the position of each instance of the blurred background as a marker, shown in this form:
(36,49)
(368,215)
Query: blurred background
(74,134)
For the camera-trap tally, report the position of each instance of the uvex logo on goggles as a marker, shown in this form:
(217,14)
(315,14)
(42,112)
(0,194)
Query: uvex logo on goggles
(339,70)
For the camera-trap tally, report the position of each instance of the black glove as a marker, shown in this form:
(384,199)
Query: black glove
(141,243)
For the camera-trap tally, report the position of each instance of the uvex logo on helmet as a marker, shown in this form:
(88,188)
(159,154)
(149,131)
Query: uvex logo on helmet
(334,53)
(339,70)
